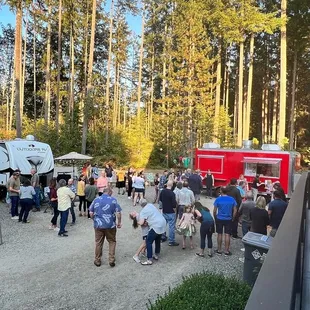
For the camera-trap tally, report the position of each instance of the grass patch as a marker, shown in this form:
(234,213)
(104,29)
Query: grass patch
(205,291)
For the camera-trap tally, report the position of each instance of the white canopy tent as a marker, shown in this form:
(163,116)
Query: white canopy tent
(73,157)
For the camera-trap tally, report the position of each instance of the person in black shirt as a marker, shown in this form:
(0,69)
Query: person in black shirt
(259,217)
(168,204)
(276,211)
(234,192)
(209,183)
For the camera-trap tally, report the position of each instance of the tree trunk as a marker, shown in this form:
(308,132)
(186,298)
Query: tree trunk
(282,107)
(275,117)
(18,67)
(72,67)
(140,69)
(240,95)
(249,95)
(24,68)
(292,114)
(218,91)
(48,69)
(107,98)
(89,77)
(58,66)
(34,71)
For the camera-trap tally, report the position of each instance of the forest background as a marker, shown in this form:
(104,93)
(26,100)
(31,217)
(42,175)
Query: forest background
(73,74)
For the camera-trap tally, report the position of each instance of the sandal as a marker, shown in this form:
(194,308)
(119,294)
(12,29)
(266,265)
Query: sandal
(200,255)
(146,263)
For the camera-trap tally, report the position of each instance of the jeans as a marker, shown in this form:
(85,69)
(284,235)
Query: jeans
(100,235)
(245,227)
(26,205)
(82,202)
(151,237)
(14,205)
(206,230)
(36,197)
(170,219)
(209,191)
(88,205)
(234,226)
(63,221)
(72,212)
(54,205)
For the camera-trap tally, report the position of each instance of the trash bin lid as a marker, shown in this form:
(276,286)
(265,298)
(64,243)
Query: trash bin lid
(258,240)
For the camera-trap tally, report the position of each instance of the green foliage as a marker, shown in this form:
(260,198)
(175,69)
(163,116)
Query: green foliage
(205,291)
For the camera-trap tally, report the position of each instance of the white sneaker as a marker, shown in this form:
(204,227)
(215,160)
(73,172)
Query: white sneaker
(129,197)
(241,259)
(136,259)
(56,229)
(242,250)
(51,227)
(15,218)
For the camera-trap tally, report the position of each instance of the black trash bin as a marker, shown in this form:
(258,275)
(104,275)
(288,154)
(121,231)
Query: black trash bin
(256,248)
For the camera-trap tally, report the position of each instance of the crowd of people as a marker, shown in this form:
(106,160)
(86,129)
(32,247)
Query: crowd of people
(178,196)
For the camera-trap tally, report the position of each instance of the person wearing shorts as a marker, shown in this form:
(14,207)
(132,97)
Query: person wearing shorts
(225,210)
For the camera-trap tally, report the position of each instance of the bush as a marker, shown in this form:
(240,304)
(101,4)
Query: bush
(205,291)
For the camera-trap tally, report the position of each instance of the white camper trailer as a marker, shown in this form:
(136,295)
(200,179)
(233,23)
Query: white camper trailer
(24,154)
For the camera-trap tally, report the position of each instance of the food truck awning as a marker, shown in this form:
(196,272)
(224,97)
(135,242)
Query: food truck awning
(256,160)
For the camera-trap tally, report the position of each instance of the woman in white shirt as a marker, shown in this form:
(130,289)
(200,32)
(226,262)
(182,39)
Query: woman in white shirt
(139,187)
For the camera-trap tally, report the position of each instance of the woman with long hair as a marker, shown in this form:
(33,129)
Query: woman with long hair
(204,216)
(139,187)
(259,217)
(81,194)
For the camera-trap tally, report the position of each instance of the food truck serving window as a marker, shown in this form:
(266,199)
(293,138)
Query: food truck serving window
(269,167)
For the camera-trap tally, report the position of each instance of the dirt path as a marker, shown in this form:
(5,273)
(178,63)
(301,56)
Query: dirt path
(39,270)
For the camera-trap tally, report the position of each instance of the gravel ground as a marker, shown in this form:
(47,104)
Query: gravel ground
(39,270)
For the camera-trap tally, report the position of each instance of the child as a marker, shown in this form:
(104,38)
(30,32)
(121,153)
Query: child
(145,229)
(187,227)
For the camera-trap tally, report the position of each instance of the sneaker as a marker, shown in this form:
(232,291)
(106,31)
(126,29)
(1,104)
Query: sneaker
(129,197)
(236,237)
(241,259)
(155,257)
(62,235)
(136,259)
(173,244)
(56,229)
(51,227)
(15,217)
(72,224)
(242,250)
(26,222)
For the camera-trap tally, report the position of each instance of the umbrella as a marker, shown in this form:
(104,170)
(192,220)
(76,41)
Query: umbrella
(73,156)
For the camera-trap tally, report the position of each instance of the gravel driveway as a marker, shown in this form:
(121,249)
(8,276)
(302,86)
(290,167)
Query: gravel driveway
(39,270)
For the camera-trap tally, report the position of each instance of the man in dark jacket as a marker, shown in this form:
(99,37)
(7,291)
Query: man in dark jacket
(195,184)
(234,192)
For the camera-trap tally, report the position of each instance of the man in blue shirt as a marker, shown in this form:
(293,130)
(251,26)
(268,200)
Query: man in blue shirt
(276,211)
(225,210)
(104,210)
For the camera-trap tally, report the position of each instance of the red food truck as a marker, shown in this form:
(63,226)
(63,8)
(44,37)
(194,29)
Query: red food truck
(271,164)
